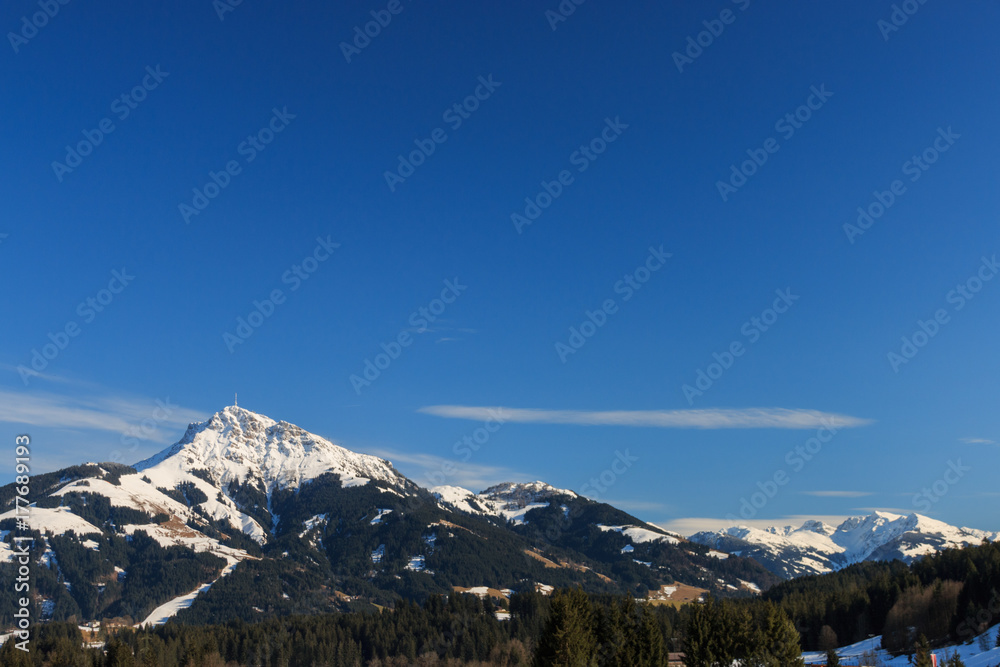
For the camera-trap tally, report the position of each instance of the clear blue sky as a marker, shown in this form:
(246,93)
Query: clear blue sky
(323,132)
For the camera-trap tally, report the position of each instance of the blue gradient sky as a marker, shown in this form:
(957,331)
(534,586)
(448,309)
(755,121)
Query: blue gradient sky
(323,176)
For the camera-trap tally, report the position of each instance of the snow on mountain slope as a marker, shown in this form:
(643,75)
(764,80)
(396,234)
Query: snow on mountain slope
(532,490)
(131,491)
(168,609)
(639,535)
(56,519)
(236,445)
(815,547)
(509,500)
(512,501)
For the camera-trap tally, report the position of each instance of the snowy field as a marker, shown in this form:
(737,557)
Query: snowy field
(970,653)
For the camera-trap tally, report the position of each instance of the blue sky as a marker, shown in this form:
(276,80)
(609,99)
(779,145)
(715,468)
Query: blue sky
(206,163)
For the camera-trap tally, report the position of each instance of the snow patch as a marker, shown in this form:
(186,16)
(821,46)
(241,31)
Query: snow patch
(640,535)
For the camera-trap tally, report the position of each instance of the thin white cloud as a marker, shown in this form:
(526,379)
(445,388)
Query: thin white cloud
(838,494)
(978,441)
(428,470)
(46,377)
(698,419)
(113,414)
(690,525)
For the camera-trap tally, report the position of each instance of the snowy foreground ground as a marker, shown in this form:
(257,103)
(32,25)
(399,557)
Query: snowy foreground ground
(970,653)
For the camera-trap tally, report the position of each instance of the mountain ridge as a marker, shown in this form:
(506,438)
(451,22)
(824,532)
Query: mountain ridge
(816,547)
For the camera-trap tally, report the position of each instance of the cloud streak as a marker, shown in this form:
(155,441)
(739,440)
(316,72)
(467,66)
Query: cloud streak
(978,441)
(106,413)
(838,494)
(688,419)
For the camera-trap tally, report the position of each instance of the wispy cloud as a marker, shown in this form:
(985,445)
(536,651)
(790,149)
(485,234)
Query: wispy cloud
(838,494)
(699,419)
(690,525)
(46,377)
(114,414)
(977,441)
(428,470)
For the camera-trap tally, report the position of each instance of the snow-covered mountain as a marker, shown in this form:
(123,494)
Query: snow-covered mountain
(247,516)
(237,445)
(512,501)
(240,449)
(815,547)
(509,500)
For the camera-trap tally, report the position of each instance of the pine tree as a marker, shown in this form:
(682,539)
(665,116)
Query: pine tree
(832,659)
(923,654)
(10,655)
(652,651)
(118,654)
(699,646)
(569,639)
(781,640)
(954,661)
(613,647)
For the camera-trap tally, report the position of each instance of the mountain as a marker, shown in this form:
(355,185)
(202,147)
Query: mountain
(815,547)
(251,456)
(247,517)
(508,501)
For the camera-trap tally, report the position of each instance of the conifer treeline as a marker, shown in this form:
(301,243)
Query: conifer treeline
(571,629)
(949,597)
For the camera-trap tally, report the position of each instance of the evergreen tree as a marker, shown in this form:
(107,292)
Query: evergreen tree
(569,639)
(12,656)
(922,658)
(652,651)
(832,659)
(118,654)
(954,661)
(613,646)
(699,647)
(779,642)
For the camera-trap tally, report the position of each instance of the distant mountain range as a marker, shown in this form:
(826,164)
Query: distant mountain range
(247,517)
(815,547)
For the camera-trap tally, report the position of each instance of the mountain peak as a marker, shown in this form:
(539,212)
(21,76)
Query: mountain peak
(238,445)
(815,526)
(235,417)
(535,490)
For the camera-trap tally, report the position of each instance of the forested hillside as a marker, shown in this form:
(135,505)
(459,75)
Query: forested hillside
(950,596)
(570,628)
